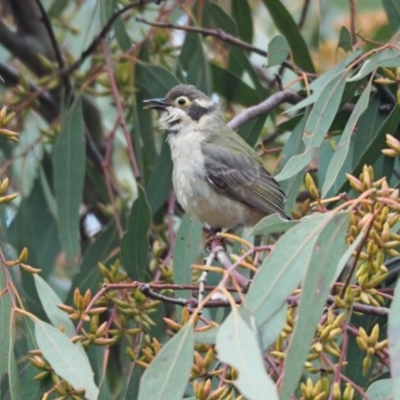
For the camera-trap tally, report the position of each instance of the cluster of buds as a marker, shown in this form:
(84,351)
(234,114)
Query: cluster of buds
(21,261)
(377,213)
(370,344)
(3,189)
(394,147)
(311,391)
(5,119)
(60,386)
(81,303)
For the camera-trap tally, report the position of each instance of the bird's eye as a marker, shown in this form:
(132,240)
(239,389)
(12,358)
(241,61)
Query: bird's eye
(182,101)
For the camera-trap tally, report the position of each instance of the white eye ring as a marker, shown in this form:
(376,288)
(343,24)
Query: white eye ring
(181,101)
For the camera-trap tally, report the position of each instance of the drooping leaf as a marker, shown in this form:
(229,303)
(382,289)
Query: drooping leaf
(345,39)
(160,183)
(89,276)
(186,249)
(69,173)
(343,146)
(135,243)
(156,80)
(394,342)
(381,390)
(251,129)
(328,246)
(392,8)
(286,25)
(271,329)
(168,374)
(278,50)
(238,347)
(65,358)
(241,13)
(232,87)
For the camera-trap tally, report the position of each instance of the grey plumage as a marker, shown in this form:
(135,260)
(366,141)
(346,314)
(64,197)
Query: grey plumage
(217,176)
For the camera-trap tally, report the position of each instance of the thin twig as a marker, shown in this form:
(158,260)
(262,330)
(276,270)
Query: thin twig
(352,6)
(106,28)
(49,28)
(120,110)
(303,15)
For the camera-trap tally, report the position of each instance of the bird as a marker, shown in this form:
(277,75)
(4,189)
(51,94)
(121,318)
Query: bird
(217,176)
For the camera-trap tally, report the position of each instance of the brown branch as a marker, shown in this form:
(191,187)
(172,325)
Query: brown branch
(106,28)
(267,105)
(352,6)
(120,110)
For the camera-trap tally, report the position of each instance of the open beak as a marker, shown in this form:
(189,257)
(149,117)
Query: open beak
(156,104)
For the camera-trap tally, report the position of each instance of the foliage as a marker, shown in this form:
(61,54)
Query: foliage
(104,309)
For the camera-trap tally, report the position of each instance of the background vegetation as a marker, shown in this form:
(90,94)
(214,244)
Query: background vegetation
(98,299)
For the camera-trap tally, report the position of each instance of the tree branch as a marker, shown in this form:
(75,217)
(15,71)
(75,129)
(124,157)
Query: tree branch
(267,105)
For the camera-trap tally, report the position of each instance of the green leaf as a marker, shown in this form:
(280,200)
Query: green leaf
(388,58)
(65,358)
(370,153)
(345,39)
(13,376)
(154,79)
(49,301)
(168,374)
(392,8)
(209,336)
(394,342)
(329,245)
(241,13)
(238,347)
(293,146)
(135,243)
(278,50)
(69,174)
(271,329)
(318,123)
(381,390)
(5,339)
(89,276)
(343,146)
(286,25)
(186,249)
(251,129)
(320,83)
(133,381)
(160,183)
(281,273)
(272,224)
(232,87)
(197,67)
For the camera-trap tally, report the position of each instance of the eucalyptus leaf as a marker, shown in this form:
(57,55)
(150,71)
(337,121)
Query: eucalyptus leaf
(135,243)
(394,343)
(345,39)
(238,347)
(392,8)
(167,375)
(65,358)
(278,50)
(69,174)
(329,245)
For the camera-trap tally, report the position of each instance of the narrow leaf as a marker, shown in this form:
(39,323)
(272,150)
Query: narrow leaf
(328,247)
(65,358)
(135,243)
(343,146)
(241,13)
(69,173)
(272,224)
(168,374)
(394,342)
(388,58)
(392,8)
(186,249)
(287,26)
(281,273)
(237,346)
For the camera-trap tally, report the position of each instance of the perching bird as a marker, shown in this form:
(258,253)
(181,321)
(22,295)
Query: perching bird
(217,176)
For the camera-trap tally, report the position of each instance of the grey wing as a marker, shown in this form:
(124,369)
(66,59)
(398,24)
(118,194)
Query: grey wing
(244,179)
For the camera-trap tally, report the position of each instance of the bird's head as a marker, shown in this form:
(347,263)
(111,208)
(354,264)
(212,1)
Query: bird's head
(184,106)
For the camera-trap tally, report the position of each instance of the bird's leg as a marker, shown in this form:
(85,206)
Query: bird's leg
(212,235)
